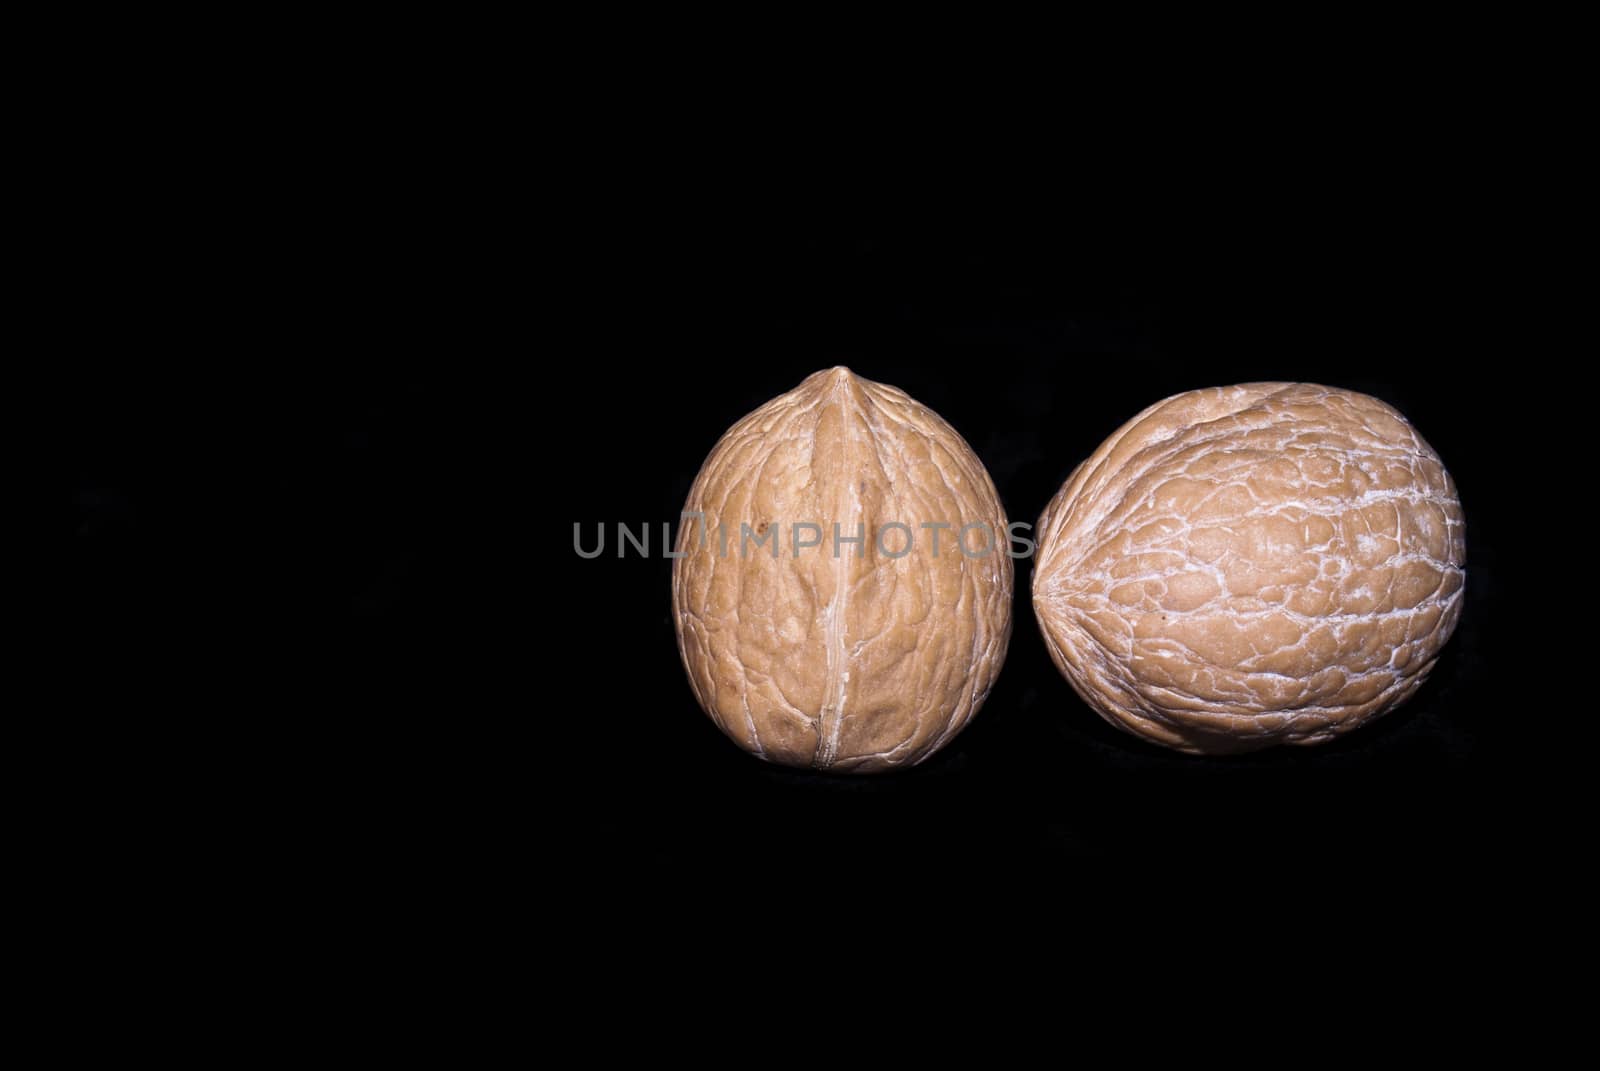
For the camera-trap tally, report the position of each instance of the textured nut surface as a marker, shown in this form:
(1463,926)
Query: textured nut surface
(842,662)
(1245,566)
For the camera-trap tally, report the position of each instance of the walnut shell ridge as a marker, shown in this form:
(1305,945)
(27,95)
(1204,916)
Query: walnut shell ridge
(837,661)
(1238,567)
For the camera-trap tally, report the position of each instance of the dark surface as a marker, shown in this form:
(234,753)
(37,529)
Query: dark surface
(1034,357)
(352,544)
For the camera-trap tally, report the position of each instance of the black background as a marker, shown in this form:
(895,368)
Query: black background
(344,540)
(1035,346)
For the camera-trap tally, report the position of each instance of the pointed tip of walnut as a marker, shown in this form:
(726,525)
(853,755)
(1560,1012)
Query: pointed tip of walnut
(837,379)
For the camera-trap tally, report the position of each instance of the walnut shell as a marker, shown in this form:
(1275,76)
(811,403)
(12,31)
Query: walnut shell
(1246,566)
(838,661)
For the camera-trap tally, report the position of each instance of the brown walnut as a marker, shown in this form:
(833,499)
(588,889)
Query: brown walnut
(1246,566)
(845,656)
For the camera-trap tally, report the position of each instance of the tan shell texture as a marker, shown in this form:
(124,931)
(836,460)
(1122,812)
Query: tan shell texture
(1271,563)
(863,661)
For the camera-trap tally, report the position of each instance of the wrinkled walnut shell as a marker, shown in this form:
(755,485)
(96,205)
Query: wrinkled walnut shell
(840,662)
(1246,566)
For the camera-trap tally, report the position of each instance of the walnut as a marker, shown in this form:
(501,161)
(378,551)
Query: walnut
(1246,566)
(846,602)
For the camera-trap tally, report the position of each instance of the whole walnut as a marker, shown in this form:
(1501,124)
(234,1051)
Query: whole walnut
(845,603)
(1237,567)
